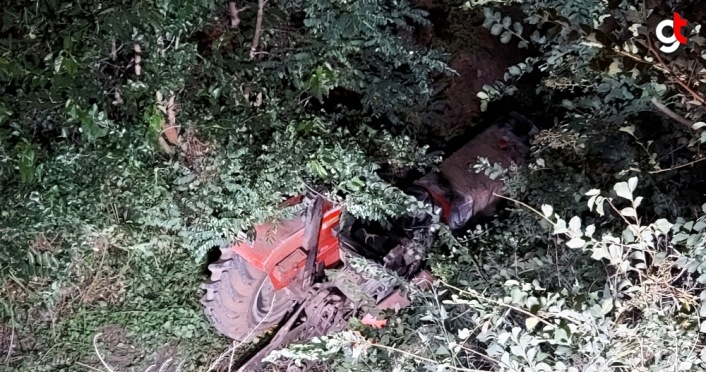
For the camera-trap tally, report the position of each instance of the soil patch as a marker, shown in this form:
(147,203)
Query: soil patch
(477,56)
(113,347)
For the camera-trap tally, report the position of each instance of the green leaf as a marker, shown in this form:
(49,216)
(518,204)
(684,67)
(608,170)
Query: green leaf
(600,201)
(632,183)
(547,210)
(58,62)
(575,243)
(496,29)
(561,335)
(317,168)
(442,350)
(629,212)
(507,21)
(607,306)
(533,303)
(663,225)
(600,252)
(622,189)
(518,297)
(560,227)
(575,224)
(531,322)
(699,225)
(506,37)
(464,334)
(638,201)
(357,182)
(517,26)
(517,350)
(592,192)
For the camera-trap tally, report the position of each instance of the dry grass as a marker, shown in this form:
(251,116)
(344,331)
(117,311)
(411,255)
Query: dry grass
(46,242)
(115,351)
(14,342)
(7,342)
(99,282)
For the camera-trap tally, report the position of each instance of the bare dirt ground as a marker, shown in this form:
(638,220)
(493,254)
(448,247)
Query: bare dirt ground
(477,56)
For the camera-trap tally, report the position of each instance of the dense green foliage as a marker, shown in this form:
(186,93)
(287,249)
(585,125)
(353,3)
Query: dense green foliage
(600,265)
(136,136)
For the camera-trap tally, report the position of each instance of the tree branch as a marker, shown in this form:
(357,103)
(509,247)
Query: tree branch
(678,166)
(671,114)
(138,50)
(234,18)
(258,28)
(697,96)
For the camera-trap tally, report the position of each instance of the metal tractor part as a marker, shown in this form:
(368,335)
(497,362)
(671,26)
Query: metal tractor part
(240,300)
(464,194)
(250,290)
(322,309)
(271,282)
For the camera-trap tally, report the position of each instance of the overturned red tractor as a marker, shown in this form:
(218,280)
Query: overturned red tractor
(275,281)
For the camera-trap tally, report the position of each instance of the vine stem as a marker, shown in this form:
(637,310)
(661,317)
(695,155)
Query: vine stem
(415,356)
(498,303)
(661,67)
(678,166)
(12,339)
(526,206)
(483,356)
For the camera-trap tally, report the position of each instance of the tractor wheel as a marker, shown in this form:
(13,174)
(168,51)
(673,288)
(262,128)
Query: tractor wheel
(239,299)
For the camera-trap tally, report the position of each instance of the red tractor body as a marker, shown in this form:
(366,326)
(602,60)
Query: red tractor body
(278,251)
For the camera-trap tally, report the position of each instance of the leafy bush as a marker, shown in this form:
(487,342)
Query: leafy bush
(246,137)
(155,131)
(573,278)
(136,136)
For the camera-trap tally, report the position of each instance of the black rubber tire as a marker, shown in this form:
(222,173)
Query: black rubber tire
(238,299)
